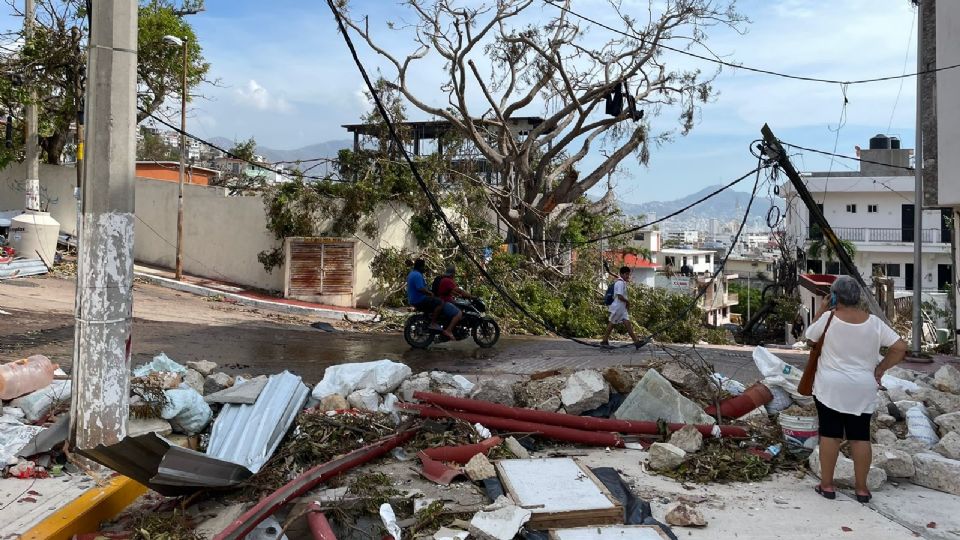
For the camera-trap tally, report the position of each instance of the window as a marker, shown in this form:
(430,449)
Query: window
(833,267)
(706,259)
(696,259)
(871,209)
(670,261)
(684,261)
(893,270)
(852,208)
(815,266)
(886,270)
(878,270)
(639,237)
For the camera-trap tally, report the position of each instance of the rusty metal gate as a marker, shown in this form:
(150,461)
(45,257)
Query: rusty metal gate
(320,270)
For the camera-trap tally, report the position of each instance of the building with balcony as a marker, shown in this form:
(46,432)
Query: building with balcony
(873,208)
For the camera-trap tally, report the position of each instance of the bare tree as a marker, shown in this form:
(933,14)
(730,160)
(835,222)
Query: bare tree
(540,56)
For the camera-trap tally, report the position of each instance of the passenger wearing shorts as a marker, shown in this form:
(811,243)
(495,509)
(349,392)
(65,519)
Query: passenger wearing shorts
(847,379)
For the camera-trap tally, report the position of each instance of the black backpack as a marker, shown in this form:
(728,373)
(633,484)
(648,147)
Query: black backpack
(609,296)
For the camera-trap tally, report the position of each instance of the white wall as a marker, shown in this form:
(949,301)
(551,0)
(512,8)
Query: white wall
(222,235)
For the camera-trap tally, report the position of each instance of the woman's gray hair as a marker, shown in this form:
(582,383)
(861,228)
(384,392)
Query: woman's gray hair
(847,290)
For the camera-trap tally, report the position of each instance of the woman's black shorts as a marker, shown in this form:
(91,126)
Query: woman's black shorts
(838,425)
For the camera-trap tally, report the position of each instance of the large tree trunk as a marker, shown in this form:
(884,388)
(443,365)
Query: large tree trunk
(53,146)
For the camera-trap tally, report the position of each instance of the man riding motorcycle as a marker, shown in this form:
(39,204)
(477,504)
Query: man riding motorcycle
(420,297)
(447,290)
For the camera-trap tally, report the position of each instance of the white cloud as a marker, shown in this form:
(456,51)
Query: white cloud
(255,95)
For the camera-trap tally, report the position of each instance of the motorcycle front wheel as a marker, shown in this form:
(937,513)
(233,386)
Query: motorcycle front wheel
(486,333)
(416,332)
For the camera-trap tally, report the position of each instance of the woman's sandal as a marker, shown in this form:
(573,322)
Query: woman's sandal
(827,494)
(864,498)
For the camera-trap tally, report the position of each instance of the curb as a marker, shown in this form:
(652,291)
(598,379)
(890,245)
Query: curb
(85,513)
(325,313)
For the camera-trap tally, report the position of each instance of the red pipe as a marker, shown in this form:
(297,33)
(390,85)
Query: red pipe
(559,433)
(585,423)
(249,520)
(737,406)
(463,453)
(319,525)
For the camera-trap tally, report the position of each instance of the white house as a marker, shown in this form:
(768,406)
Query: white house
(716,301)
(699,260)
(873,208)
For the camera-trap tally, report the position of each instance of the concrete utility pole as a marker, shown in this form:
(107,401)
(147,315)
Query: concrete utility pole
(774,150)
(31,144)
(918,198)
(183,161)
(101,364)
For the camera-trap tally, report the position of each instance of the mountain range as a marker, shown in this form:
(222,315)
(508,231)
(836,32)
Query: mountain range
(326,149)
(724,206)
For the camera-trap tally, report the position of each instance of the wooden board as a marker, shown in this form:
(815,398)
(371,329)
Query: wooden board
(610,532)
(560,492)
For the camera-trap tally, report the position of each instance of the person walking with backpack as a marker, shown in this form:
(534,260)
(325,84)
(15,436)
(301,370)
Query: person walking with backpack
(619,308)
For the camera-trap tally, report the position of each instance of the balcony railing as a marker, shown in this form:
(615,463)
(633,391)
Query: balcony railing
(876,234)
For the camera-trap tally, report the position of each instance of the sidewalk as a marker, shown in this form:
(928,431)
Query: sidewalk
(236,293)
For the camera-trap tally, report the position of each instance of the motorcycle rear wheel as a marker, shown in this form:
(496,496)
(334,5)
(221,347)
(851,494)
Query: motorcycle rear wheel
(486,333)
(417,333)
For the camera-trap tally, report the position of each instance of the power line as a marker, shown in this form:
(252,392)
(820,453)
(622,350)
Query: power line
(851,158)
(633,35)
(906,56)
(263,166)
(836,140)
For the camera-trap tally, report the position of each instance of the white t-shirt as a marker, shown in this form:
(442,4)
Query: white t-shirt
(619,289)
(851,352)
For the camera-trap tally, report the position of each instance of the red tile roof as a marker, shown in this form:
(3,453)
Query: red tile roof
(629,259)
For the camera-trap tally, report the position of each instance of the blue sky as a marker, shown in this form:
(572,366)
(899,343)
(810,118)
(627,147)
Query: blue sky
(286,78)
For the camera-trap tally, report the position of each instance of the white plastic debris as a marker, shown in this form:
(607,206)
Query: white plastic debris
(389,518)
(732,386)
(37,404)
(13,437)
(890,382)
(382,376)
(920,427)
(186,410)
(161,363)
(482,431)
(776,372)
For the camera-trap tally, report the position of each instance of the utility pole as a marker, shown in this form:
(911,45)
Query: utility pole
(101,365)
(183,159)
(31,144)
(918,197)
(774,150)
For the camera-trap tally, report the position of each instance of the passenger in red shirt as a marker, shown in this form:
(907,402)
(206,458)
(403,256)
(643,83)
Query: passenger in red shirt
(447,290)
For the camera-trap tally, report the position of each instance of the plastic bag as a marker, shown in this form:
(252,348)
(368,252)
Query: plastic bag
(382,376)
(732,386)
(781,400)
(776,372)
(36,405)
(13,437)
(920,427)
(186,410)
(161,363)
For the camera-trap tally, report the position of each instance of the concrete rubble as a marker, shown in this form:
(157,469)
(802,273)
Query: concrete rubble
(585,390)
(689,439)
(665,456)
(500,524)
(949,445)
(843,474)
(685,515)
(655,398)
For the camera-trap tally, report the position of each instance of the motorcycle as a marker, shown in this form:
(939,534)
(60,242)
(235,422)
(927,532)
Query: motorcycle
(475,322)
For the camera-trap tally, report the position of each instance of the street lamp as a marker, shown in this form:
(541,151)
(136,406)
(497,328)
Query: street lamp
(182,43)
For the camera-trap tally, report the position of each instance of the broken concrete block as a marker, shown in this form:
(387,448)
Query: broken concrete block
(445,533)
(885,437)
(665,456)
(243,392)
(947,379)
(410,386)
(479,468)
(382,376)
(142,426)
(334,402)
(937,472)
(843,474)
(895,462)
(654,398)
(910,446)
(897,394)
(516,448)
(903,373)
(688,438)
(585,390)
(685,515)
(680,375)
(940,402)
(216,382)
(621,380)
(194,379)
(365,399)
(495,390)
(551,404)
(948,422)
(949,445)
(885,420)
(204,367)
(502,524)
(452,385)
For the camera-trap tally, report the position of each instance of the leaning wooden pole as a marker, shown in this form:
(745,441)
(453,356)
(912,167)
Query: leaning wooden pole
(774,150)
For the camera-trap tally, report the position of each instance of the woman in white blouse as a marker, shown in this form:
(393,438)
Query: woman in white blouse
(847,380)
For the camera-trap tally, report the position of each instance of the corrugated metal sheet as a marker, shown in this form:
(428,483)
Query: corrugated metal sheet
(22,268)
(166,468)
(320,267)
(249,434)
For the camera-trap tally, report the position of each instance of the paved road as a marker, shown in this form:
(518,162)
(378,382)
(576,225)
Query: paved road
(248,341)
